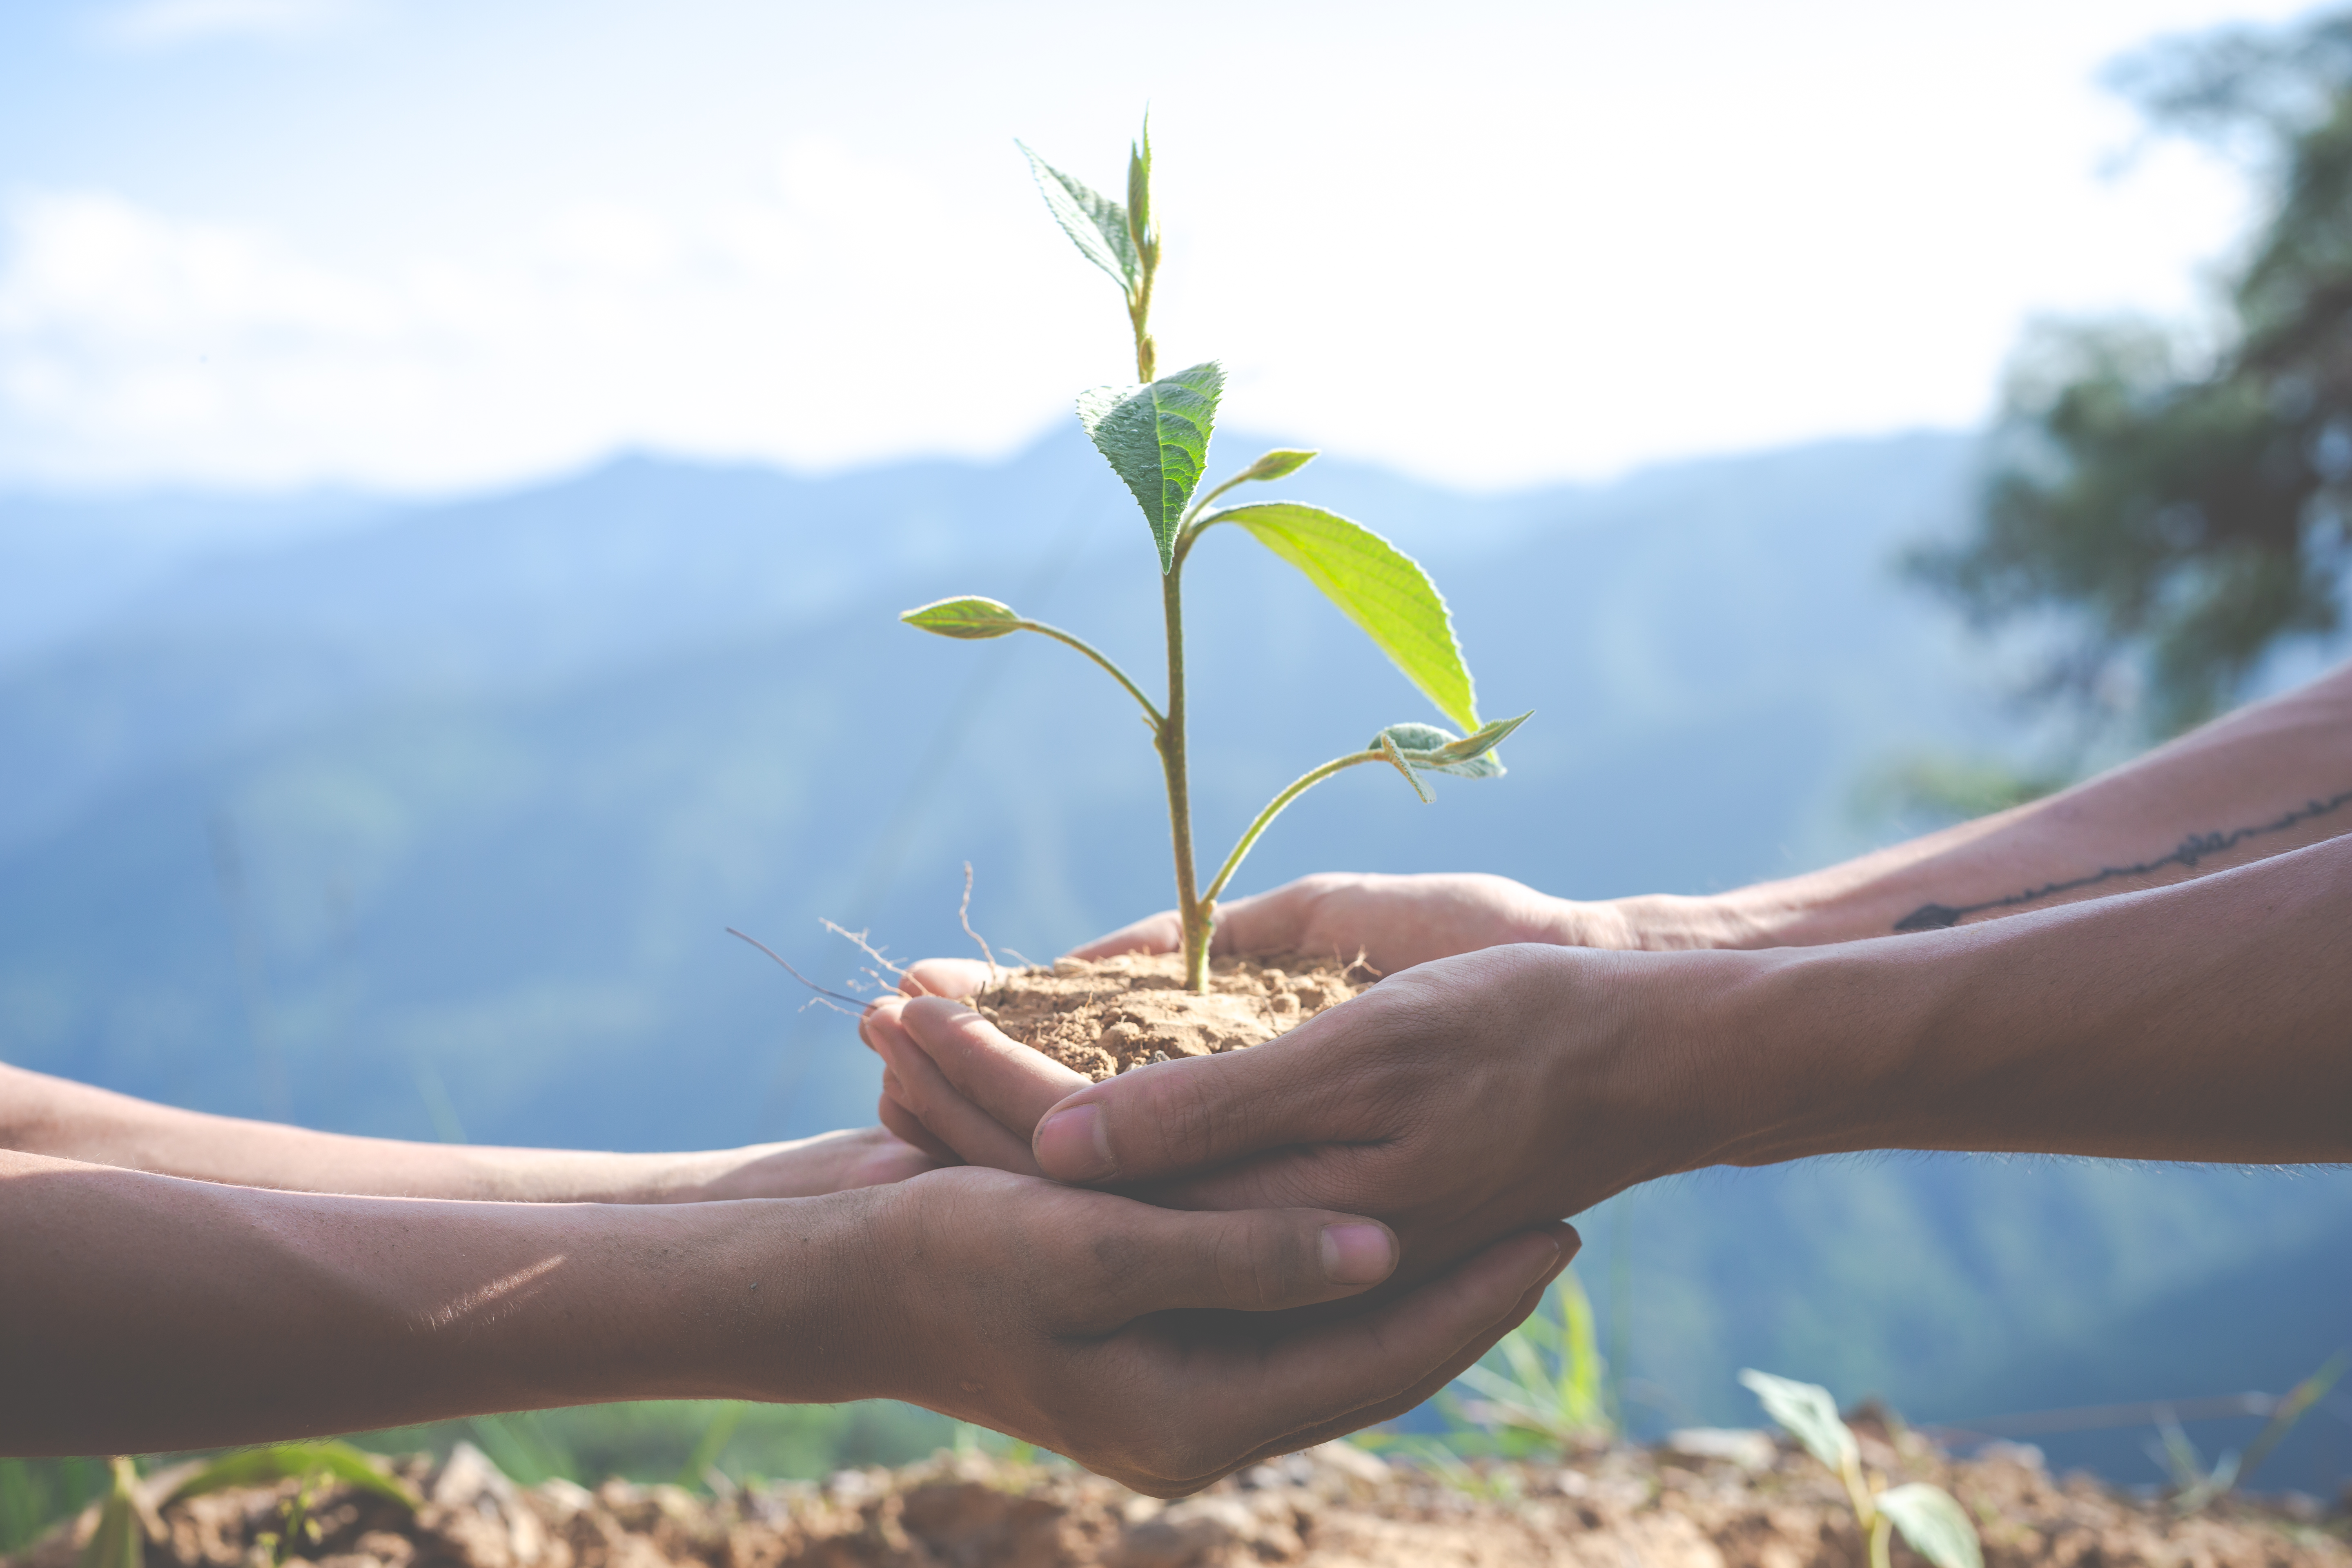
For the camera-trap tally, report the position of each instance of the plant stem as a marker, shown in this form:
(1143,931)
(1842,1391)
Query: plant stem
(1195,912)
(1857,1492)
(1273,809)
(1059,635)
(1881,1529)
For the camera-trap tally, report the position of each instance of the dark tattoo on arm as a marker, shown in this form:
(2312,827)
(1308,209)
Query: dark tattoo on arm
(2191,849)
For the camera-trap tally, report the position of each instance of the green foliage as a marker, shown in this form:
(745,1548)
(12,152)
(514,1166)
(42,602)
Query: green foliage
(331,1460)
(1542,1388)
(1280,463)
(1470,756)
(1376,585)
(120,1539)
(2179,509)
(1156,437)
(966,617)
(1928,1517)
(665,1440)
(1095,225)
(1934,1525)
(1809,1413)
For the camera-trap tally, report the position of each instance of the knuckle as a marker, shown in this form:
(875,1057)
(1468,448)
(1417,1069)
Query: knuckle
(1187,1117)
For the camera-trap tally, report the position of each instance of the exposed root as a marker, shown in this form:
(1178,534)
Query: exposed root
(855,1008)
(964,915)
(879,957)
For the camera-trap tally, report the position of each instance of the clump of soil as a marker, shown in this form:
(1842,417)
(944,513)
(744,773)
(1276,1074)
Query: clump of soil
(1705,1500)
(1103,1016)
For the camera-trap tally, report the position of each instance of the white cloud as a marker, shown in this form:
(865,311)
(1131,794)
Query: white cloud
(166,24)
(794,325)
(1511,243)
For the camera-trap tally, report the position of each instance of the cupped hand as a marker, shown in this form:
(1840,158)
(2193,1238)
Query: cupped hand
(1395,923)
(809,1167)
(1460,1101)
(1151,1345)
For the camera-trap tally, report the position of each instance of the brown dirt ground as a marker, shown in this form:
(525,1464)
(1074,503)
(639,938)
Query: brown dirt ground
(1104,1016)
(1335,1507)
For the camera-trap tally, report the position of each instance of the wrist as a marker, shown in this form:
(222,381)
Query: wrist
(1659,922)
(1813,1050)
(786,1294)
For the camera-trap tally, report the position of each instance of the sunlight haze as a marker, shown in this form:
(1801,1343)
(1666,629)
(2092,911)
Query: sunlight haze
(432,246)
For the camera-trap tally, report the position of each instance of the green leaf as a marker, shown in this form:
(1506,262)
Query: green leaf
(1096,224)
(1935,1524)
(1156,437)
(1810,1415)
(261,1467)
(1469,757)
(1138,199)
(967,618)
(1396,759)
(1376,585)
(1280,463)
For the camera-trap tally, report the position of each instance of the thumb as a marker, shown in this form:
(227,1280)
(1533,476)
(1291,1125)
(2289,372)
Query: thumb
(1153,933)
(1177,1117)
(1249,1260)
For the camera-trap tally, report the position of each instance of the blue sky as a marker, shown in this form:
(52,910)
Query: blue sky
(441,243)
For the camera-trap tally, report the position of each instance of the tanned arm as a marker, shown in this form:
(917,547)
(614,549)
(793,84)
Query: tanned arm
(2272,777)
(44,1115)
(144,1312)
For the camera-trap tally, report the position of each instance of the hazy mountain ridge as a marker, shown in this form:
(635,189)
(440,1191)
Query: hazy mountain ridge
(455,802)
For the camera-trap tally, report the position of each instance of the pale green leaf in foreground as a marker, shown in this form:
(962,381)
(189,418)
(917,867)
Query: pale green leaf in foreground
(1096,224)
(1466,757)
(278,1461)
(1810,1415)
(1935,1524)
(1156,437)
(1376,585)
(965,617)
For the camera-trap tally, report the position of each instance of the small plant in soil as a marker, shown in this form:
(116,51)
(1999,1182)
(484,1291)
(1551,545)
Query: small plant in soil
(1155,435)
(1931,1521)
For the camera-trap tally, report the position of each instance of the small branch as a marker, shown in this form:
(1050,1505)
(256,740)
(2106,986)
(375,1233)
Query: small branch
(1059,635)
(822,992)
(964,915)
(1273,809)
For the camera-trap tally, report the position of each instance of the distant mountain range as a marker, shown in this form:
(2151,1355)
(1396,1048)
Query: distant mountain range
(408,818)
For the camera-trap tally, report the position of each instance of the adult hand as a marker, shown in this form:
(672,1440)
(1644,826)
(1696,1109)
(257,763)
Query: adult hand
(1151,1345)
(1460,1101)
(1395,923)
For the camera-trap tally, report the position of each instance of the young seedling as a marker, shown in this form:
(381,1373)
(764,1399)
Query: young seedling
(1549,1394)
(1156,438)
(120,1540)
(1930,1520)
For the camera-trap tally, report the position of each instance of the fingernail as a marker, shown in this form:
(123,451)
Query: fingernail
(1358,1254)
(1075,1144)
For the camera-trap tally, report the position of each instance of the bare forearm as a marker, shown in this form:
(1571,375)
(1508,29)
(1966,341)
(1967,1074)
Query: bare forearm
(145,1312)
(2210,1021)
(2270,778)
(66,1121)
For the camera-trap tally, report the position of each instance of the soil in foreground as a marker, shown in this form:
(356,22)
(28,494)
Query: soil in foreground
(1107,1016)
(1744,1502)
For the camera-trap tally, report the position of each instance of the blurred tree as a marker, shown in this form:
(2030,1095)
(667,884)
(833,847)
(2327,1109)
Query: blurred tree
(2175,507)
